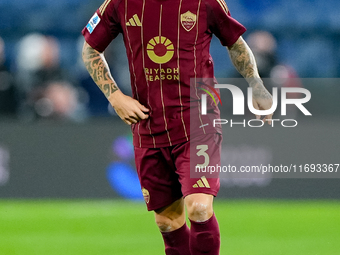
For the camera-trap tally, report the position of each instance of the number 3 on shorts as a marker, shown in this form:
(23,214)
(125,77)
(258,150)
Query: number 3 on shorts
(202,152)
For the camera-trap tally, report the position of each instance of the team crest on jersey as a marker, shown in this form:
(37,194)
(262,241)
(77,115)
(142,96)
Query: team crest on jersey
(188,20)
(146,195)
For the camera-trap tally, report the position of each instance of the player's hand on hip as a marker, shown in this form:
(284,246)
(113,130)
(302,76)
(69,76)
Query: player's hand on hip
(127,108)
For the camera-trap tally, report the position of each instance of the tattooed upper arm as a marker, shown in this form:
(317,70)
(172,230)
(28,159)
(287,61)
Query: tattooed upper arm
(97,67)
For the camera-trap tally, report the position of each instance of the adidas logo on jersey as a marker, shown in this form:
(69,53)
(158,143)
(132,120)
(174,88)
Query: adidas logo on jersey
(134,22)
(202,183)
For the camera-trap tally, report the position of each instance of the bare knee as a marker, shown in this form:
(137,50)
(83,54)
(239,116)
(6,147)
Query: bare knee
(199,212)
(165,224)
(199,207)
(171,217)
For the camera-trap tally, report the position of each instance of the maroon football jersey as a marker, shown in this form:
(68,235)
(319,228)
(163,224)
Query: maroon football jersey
(167,44)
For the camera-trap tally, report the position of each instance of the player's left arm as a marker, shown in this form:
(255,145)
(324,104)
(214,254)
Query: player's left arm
(244,61)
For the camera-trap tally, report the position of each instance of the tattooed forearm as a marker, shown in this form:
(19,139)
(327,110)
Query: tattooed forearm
(243,59)
(97,67)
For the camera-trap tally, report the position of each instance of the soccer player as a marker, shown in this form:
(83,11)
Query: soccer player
(167,43)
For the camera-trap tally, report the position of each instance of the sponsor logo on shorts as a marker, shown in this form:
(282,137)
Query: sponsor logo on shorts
(94,21)
(146,195)
(202,183)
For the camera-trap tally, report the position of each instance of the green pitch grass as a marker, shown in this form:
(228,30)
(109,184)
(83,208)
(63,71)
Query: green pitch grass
(35,227)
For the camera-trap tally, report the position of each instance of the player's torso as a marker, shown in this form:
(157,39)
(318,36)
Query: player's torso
(167,37)
(167,44)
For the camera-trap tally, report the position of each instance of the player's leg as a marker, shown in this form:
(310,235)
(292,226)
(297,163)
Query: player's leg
(162,194)
(204,232)
(199,189)
(171,222)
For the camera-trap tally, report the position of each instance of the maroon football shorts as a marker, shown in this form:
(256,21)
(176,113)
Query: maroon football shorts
(167,174)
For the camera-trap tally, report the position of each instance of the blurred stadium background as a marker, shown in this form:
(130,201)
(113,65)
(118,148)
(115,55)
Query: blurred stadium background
(67,178)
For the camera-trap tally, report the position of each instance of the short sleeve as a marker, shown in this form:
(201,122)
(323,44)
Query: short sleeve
(220,22)
(103,27)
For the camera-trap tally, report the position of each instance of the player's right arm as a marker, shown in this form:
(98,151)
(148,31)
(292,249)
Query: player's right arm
(127,108)
(102,28)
